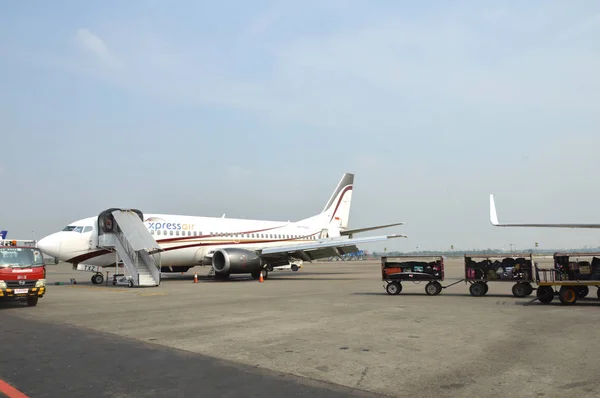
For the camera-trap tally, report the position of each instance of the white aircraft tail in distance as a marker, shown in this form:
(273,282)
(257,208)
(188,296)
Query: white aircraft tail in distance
(494,221)
(229,245)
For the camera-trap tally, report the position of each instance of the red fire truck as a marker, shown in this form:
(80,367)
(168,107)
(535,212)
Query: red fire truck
(22,271)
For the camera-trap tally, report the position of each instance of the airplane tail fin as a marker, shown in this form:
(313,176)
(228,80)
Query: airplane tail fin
(3,234)
(337,210)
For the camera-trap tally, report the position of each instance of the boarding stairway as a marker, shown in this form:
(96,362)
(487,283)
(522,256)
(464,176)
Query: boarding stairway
(123,231)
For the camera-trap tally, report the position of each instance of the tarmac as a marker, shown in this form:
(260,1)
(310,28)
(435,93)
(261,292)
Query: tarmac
(329,329)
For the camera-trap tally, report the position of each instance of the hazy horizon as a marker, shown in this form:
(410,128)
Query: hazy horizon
(256,109)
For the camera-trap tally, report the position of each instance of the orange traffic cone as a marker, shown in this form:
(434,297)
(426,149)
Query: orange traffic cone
(261,277)
(195,277)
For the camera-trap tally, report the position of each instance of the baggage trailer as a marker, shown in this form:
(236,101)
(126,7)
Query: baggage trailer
(417,269)
(516,268)
(570,279)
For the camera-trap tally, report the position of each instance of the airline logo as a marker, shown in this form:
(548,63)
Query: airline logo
(157,223)
(3,234)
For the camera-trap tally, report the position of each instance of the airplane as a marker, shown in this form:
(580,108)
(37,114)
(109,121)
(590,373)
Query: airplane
(494,221)
(225,243)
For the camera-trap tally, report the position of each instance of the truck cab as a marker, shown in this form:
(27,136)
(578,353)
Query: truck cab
(22,272)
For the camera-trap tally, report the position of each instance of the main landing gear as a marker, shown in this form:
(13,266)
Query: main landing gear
(97,279)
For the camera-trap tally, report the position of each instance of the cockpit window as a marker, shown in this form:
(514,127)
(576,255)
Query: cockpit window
(69,228)
(78,229)
(87,229)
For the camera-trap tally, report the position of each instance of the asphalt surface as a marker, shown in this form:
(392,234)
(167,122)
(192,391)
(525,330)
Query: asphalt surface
(46,359)
(298,334)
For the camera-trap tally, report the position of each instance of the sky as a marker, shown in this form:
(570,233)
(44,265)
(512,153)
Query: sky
(256,109)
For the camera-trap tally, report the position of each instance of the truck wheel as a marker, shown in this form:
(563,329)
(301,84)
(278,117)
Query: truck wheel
(477,289)
(520,290)
(393,288)
(97,279)
(433,288)
(567,295)
(269,267)
(32,301)
(545,294)
(583,291)
(294,267)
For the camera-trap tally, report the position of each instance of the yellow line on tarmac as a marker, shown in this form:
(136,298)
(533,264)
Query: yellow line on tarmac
(152,294)
(98,288)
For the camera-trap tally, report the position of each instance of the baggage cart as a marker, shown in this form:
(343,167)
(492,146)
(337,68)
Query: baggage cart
(481,269)
(569,279)
(416,269)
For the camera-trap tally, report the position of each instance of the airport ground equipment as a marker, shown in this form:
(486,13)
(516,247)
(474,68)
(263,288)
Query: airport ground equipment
(123,231)
(570,278)
(22,272)
(481,269)
(416,269)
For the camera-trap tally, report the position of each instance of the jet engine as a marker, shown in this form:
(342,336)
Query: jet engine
(236,261)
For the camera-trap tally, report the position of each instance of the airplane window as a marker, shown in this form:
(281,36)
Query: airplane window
(151,232)
(69,228)
(78,229)
(87,229)
(171,232)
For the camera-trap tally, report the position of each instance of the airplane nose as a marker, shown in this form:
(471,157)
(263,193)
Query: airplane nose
(50,245)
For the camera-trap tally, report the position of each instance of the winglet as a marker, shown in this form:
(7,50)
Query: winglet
(493,215)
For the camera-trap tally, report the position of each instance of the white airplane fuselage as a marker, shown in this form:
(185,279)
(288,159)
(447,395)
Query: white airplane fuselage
(186,240)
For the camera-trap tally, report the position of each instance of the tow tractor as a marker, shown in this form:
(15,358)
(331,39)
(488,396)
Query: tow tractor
(22,271)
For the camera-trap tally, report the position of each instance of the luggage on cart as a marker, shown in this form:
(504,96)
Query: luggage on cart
(398,269)
(482,269)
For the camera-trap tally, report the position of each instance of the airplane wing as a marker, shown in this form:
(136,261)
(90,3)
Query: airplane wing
(351,232)
(496,223)
(323,248)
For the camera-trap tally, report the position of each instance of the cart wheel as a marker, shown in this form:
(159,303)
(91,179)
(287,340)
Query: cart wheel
(520,290)
(529,288)
(567,295)
(433,288)
(393,288)
(583,291)
(477,289)
(545,294)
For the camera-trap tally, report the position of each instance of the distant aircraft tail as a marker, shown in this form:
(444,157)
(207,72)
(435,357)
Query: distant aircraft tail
(3,234)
